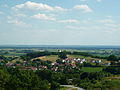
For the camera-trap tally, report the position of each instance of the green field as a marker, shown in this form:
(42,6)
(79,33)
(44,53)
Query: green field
(92,69)
(67,88)
(52,58)
(64,88)
(14,54)
(75,56)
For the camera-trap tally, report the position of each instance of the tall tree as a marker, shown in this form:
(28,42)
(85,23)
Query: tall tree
(112,58)
(62,55)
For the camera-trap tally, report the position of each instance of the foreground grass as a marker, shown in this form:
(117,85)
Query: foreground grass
(92,69)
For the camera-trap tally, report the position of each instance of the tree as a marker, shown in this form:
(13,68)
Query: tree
(4,76)
(62,55)
(25,80)
(112,70)
(59,61)
(112,58)
(55,86)
(2,57)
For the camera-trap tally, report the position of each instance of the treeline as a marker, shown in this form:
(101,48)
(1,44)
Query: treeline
(65,53)
(113,70)
(46,53)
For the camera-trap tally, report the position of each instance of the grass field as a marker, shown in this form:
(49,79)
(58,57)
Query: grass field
(92,69)
(67,88)
(14,54)
(75,56)
(15,60)
(52,58)
(64,88)
(79,56)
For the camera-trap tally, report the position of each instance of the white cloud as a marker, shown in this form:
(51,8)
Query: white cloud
(105,21)
(12,20)
(16,22)
(113,25)
(90,0)
(20,15)
(84,8)
(43,17)
(69,21)
(83,0)
(37,6)
(79,27)
(9,17)
(57,8)
(98,0)
(109,16)
(72,27)
(1,12)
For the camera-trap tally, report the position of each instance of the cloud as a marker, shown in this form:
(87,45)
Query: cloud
(37,6)
(1,13)
(57,8)
(69,21)
(98,0)
(109,16)
(43,17)
(83,0)
(105,21)
(16,22)
(20,15)
(91,0)
(84,8)
(72,27)
(113,25)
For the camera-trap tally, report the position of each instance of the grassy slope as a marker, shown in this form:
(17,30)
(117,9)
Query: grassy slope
(52,58)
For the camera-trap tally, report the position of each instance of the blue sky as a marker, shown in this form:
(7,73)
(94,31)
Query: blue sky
(59,22)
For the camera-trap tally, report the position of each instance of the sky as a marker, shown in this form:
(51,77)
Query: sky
(59,22)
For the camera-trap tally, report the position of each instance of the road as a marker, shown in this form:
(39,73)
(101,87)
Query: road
(71,86)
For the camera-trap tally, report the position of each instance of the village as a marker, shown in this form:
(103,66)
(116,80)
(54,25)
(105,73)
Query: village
(59,65)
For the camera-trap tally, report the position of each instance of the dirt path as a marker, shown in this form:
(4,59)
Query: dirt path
(72,87)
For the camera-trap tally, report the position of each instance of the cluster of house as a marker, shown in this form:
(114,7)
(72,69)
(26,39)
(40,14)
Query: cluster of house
(25,65)
(96,61)
(68,62)
(34,68)
(55,66)
(100,62)
(74,60)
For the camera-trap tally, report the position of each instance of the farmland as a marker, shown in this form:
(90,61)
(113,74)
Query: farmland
(51,58)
